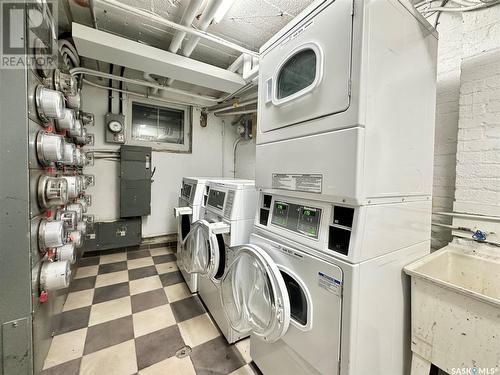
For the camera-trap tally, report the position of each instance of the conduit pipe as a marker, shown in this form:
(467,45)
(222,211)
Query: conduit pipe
(93,73)
(137,94)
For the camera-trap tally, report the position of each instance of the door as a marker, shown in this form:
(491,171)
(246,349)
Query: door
(202,251)
(254,295)
(306,74)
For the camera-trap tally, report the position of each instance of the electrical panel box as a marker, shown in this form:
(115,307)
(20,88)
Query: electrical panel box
(135,181)
(115,128)
(114,234)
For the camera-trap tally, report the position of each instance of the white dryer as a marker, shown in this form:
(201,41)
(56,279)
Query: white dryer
(346,102)
(320,286)
(227,222)
(189,210)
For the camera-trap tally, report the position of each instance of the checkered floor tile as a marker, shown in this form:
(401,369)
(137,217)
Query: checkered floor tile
(131,313)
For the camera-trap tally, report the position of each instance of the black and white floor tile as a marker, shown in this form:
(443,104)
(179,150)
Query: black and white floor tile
(131,313)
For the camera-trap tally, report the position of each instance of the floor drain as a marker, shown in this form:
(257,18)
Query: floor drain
(183,352)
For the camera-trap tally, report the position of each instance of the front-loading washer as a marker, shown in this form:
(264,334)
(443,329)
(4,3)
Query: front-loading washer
(228,219)
(192,197)
(320,287)
(346,102)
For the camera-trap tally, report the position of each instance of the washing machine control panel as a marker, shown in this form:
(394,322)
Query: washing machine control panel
(298,218)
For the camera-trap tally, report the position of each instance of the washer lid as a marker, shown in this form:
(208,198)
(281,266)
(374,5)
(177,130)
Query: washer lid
(254,295)
(200,250)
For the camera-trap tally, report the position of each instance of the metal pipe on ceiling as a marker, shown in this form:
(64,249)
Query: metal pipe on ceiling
(205,21)
(174,25)
(187,20)
(94,73)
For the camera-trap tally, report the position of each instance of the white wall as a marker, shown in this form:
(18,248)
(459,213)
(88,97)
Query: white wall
(460,36)
(212,155)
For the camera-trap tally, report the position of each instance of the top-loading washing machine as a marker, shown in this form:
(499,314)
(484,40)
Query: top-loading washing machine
(346,102)
(228,219)
(320,286)
(194,194)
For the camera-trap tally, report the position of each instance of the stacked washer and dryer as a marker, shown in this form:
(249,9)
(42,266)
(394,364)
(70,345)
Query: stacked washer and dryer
(344,172)
(344,176)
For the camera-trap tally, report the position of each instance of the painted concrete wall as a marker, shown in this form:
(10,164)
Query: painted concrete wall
(211,156)
(460,36)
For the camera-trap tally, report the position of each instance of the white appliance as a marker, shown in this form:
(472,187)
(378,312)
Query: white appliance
(346,102)
(320,286)
(191,200)
(227,222)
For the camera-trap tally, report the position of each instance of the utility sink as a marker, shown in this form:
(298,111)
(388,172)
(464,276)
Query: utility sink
(455,305)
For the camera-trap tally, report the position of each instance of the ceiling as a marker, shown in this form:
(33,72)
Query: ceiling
(249,23)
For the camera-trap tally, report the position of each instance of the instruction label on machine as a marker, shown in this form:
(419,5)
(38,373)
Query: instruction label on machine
(310,183)
(330,284)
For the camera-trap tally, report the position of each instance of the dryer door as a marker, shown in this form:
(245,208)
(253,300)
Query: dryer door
(254,295)
(306,74)
(201,253)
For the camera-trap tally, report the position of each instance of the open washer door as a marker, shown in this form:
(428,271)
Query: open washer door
(200,251)
(254,295)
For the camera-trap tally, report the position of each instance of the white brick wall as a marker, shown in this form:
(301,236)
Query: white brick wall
(460,36)
(478,149)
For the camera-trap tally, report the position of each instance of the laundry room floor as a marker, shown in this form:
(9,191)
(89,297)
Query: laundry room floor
(131,313)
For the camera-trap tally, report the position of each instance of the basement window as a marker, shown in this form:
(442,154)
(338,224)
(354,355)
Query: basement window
(162,126)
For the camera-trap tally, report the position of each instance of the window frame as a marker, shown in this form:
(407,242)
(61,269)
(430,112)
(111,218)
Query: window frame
(317,79)
(184,147)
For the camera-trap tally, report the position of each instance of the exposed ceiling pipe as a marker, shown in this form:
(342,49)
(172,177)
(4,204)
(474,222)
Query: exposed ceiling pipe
(236,65)
(205,21)
(174,25)
(149,78)
(187,19)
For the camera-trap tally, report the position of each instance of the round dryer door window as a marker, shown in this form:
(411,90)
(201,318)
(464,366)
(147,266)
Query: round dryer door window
(200,252)
(254,295)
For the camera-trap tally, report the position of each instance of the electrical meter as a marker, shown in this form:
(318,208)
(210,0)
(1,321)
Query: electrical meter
(67,122)
(69,157)
(77,129)
(76,237)
(82,227)
(62,82)
(85,201)
(66,253)
(81,158)
(51,234)
(52,191)
(74,101)
(78,208)
(69,218)
(54,275)
(82,138)
(49,148)
(49,103)
(74,186)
